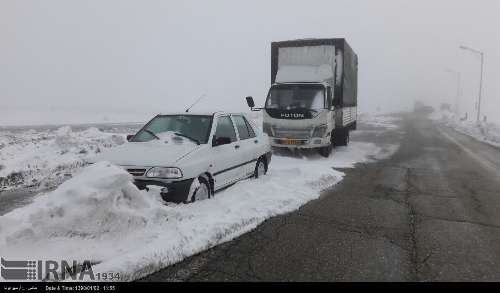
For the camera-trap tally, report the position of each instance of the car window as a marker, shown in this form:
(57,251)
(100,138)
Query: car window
(225,128)
(242,127)
(251,132)
(196,127)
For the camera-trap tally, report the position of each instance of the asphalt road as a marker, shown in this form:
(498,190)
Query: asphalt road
(12,199)
(429,213)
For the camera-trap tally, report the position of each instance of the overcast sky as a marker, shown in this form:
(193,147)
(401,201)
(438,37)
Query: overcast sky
(81,61)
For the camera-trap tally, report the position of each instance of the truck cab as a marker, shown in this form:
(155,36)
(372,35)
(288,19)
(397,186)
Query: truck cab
(299,115)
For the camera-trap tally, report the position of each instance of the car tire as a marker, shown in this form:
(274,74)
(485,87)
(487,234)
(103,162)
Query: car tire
(260,169)
(203,191)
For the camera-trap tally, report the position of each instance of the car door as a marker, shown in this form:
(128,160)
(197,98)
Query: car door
(226,158)
(248,142)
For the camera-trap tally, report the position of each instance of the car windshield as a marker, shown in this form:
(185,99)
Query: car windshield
(192,127)
(289,97)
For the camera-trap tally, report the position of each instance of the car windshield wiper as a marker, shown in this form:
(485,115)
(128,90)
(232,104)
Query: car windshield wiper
(152,133)
(190,138)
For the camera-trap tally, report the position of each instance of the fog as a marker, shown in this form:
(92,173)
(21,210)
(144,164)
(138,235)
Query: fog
(93,61)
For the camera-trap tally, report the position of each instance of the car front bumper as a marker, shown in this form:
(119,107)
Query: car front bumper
(176,191)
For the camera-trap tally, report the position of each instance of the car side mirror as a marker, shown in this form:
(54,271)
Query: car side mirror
(217,141)
(129,137)
(250,102)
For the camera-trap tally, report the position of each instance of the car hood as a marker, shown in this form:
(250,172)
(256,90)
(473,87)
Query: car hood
(147,154)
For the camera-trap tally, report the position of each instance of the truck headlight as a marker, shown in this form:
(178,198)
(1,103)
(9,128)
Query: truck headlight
(319,131)
(266,128)
(167,173)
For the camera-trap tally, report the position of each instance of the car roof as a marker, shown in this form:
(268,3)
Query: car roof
(217,113)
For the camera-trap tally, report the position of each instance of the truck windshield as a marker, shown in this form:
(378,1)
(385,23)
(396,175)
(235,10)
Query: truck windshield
(193,127)
(303,96)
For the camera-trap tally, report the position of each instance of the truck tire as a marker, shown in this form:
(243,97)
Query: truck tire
(341,137)
(325,151)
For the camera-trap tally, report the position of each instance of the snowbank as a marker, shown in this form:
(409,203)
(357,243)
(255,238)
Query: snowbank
(46,158)
(379,121)
(482,131)
(99,215)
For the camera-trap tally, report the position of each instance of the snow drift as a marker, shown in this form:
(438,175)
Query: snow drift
(46,158)
(100,216)
(483,131)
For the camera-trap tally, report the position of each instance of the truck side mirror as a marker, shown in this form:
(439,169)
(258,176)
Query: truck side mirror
(250,102)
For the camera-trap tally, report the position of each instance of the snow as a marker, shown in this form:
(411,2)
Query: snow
(45,157)
(382,121)
(483,131)
(99,215)
(171,137)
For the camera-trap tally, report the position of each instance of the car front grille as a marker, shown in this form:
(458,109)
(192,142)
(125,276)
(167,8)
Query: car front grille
(292,133)
(136,172)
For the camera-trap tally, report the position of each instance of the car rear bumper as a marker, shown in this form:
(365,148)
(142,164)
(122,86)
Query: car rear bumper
(177,191)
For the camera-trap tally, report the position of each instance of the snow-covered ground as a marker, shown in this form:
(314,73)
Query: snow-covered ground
(99,215)
(45,157)
(483,131)
(384,121)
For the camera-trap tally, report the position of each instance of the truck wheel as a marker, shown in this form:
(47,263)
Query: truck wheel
(203,191)
(326,151)
(341,137)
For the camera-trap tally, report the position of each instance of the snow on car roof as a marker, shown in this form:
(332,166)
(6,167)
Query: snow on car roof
(203,113)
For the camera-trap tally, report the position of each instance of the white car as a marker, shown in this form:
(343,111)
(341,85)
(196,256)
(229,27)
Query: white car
(193,155)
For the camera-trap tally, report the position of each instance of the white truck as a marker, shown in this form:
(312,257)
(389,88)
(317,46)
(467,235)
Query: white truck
(312,102)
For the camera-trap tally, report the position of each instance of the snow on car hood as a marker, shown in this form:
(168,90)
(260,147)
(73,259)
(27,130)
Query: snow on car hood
(164,152)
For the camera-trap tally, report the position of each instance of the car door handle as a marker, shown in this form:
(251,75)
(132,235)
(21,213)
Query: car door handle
(256,141)
(236,146)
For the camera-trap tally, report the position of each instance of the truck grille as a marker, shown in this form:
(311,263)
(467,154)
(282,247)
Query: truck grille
(136,172)
(292,133)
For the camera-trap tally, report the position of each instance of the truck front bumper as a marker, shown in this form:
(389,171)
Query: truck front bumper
(315,142)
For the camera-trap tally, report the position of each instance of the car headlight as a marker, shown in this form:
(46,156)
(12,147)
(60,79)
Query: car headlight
(319,131)
(266,128)
(167,173)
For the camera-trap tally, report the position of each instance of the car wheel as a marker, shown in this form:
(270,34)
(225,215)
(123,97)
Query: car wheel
(260,169)
(202,192)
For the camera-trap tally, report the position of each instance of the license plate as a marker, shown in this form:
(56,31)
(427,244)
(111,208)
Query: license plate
(291,142)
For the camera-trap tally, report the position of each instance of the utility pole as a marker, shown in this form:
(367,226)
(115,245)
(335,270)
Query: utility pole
(481,54)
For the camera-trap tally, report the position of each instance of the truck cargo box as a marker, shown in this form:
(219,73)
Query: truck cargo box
(329,61)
